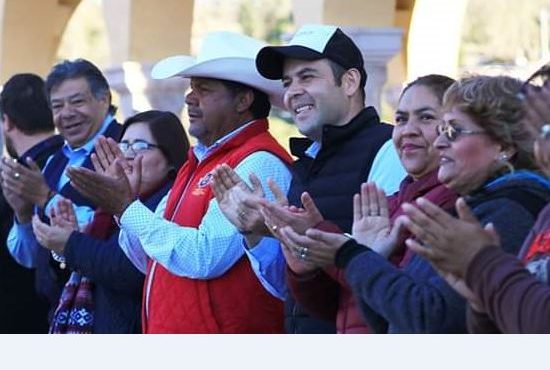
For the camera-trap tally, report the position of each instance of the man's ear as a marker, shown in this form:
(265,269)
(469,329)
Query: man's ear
(7,124)
(351,81)
(244,100)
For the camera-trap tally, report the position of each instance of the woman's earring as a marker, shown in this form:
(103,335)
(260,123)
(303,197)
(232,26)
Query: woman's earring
(502,159)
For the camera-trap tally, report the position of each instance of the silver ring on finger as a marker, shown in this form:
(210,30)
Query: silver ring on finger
(16,175)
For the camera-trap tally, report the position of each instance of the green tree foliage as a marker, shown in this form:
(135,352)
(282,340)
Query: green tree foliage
(266,20)
(502,31)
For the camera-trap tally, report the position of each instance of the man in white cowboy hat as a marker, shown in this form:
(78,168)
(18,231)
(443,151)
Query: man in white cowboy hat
(197,277)
(323,75)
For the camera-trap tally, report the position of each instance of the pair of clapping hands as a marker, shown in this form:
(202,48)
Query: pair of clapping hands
(112,186)
(23,186)
(305,247)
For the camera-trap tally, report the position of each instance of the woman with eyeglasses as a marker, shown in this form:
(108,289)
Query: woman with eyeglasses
(506,294)
(103,294)
(485,155)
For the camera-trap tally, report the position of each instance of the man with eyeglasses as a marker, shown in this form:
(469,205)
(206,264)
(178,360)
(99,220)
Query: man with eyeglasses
(80,100)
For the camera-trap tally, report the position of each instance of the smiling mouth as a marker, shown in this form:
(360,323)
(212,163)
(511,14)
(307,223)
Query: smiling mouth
(72,126)
(303,108)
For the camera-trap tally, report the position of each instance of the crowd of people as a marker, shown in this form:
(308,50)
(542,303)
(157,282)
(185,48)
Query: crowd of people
(438,223)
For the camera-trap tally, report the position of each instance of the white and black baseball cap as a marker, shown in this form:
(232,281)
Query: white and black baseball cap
(312,42)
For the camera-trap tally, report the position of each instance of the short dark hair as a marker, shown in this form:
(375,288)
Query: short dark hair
(168,132)
(437,84)
(260,106)
(338,71)
(70,69)
(24,101)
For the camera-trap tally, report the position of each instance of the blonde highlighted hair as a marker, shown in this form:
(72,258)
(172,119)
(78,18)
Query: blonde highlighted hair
(492,102)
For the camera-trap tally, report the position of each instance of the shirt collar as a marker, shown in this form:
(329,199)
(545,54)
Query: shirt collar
(313,149)
(89,145)
(202,151)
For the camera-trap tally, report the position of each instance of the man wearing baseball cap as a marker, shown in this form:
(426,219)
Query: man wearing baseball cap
(323,75)
(197,277)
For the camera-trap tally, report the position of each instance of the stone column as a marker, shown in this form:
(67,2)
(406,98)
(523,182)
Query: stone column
(138,92)
(378,46)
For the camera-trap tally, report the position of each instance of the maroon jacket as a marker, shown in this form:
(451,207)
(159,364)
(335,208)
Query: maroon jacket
(515,300)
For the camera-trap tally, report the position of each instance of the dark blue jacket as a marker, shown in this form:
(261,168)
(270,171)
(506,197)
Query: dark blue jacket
(118,283)
(416,299)
(21,309)
(332,178)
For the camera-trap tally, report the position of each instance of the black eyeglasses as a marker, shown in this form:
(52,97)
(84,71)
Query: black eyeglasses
(452,132)
(137,146)
(538,78)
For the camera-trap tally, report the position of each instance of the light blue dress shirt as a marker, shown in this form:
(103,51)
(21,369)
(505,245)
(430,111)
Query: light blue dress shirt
(21,241)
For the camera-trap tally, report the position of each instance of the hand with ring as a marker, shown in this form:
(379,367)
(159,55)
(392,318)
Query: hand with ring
(316,247)
(26,182)
(239,202)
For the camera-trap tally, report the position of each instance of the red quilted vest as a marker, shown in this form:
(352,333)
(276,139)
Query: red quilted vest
(235,302)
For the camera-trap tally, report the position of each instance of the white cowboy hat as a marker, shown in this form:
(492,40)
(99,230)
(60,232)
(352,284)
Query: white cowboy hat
(226,56)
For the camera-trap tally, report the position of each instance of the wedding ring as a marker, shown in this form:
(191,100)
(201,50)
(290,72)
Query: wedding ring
(16,175)
(242,214)
(274,228)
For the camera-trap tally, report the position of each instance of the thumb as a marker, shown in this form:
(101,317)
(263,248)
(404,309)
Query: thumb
(464,212)
(32,164)
(490,228)
(309,204)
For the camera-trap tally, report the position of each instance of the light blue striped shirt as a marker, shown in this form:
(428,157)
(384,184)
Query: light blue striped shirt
(204,252)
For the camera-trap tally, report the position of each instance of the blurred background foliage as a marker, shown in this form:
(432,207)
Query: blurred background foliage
(499,36)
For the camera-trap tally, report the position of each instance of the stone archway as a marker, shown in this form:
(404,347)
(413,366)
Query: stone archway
(31,31)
